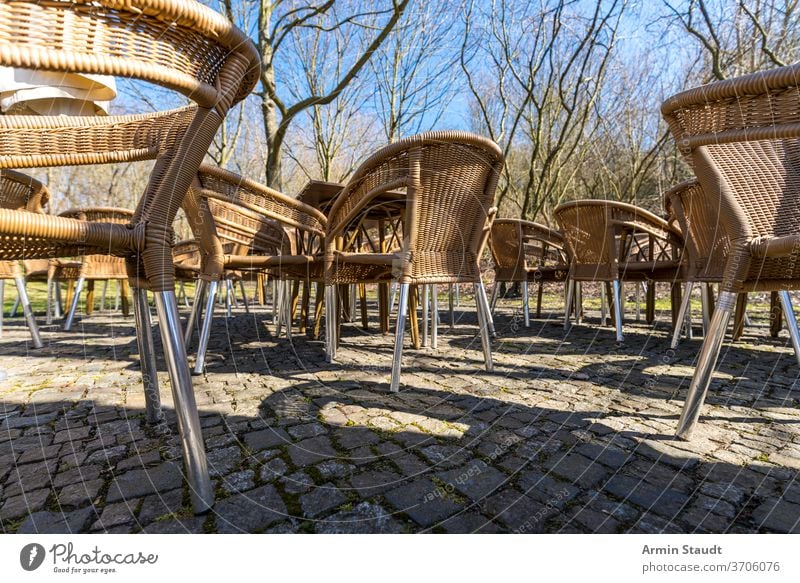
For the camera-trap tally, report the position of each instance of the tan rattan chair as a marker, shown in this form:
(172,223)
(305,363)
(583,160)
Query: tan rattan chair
(91,268)
(241,225)
(20,192)
(524,251)
(741,138)
(177,44)
(610,241)
(448,179)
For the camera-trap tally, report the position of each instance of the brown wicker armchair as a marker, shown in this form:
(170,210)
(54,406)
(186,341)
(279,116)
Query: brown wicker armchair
(20,192)
(242,225)
(605,240)
(741,138)
(525,252)
(90,268)
(177,44)
(449,180)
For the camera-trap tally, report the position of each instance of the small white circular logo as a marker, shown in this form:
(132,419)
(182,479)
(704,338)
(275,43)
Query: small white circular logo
(31,556)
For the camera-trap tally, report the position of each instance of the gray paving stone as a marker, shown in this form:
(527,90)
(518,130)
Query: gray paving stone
(80,493)
(266,439)
(475,480)
(23,504)
(424,502)
(363,518)
(311,451)
(251,511)
(57,522)
(138,483)
(321,499)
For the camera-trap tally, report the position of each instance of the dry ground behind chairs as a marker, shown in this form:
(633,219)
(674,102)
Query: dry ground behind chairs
(524,251)
(449,179)
(604,243)
(20,192)
(180,45)
(742,138)
(243,225)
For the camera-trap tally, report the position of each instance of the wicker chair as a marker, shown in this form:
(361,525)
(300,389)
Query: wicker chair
(741,138)
(604,242)
(91,268)
(525,252)
(449,180)
(242,225)
(20,192)
(177,44)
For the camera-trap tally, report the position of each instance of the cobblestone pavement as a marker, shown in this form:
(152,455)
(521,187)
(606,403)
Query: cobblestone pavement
(570,433)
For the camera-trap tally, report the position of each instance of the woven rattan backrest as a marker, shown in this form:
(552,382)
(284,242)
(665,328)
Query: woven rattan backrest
(22,192)
(591,231)
(449,178)
(519,245)
(99,265)
(740,136)
(230,214)
(706,245)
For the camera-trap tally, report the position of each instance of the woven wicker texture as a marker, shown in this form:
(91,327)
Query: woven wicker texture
(96,266)
(706,246)
(527,251)
(741,138)
(178,44)
(21,192)
(607,240)
(449,179)
(241,224)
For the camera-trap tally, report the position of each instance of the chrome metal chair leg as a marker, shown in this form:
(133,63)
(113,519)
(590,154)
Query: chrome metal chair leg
(682,314)
(244,297)
(117,295)
(195,313)
(480,293)
(568,306)
(274,296)
(619,306)
(205,330)
(426,301)
(495,290)
(706,363)
(402,310)
(353,296)
(458,295)
(482,305)
(579,302)
(194,454)
(287,308)
(22,294)
(2,304)
(330,322)
(147,356)
(638,298)
(526,308)
(228,298)
(14,308)
(395,286)
(450,303)
(706,290)
(791,322)
(434,317)
(277,307)
(74,307)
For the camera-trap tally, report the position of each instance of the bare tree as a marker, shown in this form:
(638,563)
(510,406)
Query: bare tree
(277,20)
(550,63)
